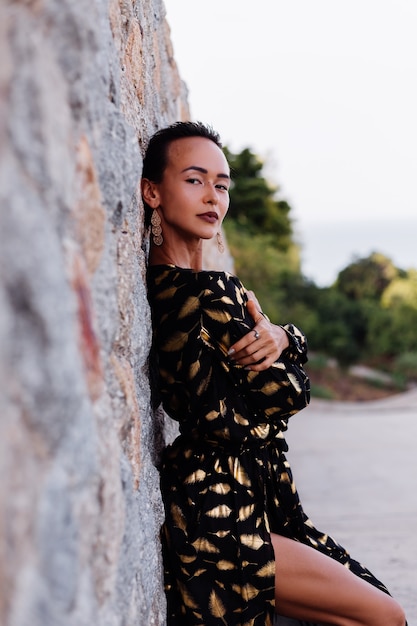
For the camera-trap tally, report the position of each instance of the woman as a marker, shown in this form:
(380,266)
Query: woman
(237,544)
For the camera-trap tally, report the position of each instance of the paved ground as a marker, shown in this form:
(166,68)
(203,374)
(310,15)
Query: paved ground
(355,466)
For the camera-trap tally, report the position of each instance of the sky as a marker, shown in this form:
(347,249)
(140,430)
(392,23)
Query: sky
(325,92)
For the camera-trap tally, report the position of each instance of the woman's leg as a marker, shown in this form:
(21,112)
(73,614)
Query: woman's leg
(313,587)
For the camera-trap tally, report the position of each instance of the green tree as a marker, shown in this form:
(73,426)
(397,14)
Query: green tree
(259,233)
(254,202)
(392,331)
(402,291)
(340,327)
(367,277)
(263,268)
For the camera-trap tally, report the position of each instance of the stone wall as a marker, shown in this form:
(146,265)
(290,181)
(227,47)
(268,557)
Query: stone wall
(83,84)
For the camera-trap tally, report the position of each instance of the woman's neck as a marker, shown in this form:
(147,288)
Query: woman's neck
(185,258)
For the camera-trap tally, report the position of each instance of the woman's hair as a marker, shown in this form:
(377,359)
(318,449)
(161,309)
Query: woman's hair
(156,159)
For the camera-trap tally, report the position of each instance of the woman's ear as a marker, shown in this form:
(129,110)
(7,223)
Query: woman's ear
(150,193)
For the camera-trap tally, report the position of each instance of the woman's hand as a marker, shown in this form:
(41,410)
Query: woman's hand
(261,346)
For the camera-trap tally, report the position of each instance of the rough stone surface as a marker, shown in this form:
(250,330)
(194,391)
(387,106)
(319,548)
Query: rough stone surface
(82,87)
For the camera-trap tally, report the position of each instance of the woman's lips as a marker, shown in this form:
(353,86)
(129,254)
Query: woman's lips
(210,217)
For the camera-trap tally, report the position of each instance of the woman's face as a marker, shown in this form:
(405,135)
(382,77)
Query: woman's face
(193,195)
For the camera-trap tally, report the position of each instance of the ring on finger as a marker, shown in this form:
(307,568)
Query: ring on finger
(257,335)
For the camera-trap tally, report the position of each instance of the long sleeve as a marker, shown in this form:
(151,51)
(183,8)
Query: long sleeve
(279,391)
(197,316)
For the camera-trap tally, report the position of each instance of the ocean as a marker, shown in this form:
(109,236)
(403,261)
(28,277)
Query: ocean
(328,247)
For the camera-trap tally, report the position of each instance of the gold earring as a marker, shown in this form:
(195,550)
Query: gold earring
(220,244)
(156,228)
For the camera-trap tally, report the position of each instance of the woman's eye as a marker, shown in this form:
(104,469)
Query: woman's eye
(222,187)
(193,181)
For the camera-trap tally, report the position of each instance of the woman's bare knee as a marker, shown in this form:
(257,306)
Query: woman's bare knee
(312,586)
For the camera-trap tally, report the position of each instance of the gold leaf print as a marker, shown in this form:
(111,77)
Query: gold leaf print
(204,384)
(224,433)
(167,293)
(249,591)
(267,570)
(239,419)
(216,606)
(205,336)
(211,415)
(252,376)
(223,408)
(225,565)
(225,340)
(167,376)
(222,510)
(270,388)
(185,558)
(176,342)
(284,478)
(294,382)
(238,472)
(217,467)
(261,431)
(220,488)
(252,541)
(200,617)
(219,315)
(199,572)
(186,596)
(223,348)
(203,545)
(221,534)
(190,306)
(227,300)
(272,410)
(246,511)
(193,370)
(238,295)
(178,517)
(221,284)
(195,477)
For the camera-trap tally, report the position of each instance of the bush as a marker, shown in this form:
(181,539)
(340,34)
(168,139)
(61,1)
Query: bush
(405,365)
(323,393)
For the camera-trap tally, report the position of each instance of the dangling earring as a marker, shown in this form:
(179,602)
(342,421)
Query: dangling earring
(220,244)
(156,228)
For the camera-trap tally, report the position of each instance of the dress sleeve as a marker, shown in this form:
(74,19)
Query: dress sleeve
(297,350)
(279,391)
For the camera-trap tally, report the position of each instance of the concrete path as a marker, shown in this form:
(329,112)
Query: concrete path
(355,466)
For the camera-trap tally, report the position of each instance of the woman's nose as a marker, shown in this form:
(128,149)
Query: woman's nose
(210,194)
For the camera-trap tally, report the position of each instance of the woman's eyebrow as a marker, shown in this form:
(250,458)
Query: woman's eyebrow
(204,171)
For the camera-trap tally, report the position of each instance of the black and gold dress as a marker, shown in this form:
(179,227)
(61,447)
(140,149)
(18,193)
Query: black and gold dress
(225,481)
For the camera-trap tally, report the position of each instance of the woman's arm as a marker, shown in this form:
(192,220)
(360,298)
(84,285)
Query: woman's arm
(266,342)
(279,389)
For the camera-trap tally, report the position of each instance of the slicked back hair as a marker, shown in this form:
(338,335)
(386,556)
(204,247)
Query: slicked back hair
(156,156)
